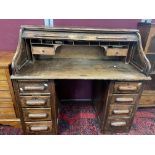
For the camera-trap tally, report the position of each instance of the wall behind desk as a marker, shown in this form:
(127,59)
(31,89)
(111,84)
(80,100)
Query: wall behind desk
(81,89)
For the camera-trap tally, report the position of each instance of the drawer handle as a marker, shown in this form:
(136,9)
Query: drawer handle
(39,128)
(41,115)
(126,88)
(120,99)
(27,88)
(115,124)
(121,111)
(35,102)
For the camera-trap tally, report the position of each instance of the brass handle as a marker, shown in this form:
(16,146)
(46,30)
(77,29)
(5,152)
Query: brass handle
(121,111)
(123,123)
(36,102)
(34,88)
(127,88)
(39,128)
(41,115)
(123,99)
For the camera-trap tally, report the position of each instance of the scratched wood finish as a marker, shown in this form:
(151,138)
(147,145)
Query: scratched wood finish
(81,54)
(8,111)
(79,69)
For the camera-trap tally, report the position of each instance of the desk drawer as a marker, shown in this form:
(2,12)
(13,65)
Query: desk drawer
(120,110)
(127,87)
(35,101)
(3,75)
(43,50)
(37,114)
(117,125)
(30,87)
(123,99)
(44,127)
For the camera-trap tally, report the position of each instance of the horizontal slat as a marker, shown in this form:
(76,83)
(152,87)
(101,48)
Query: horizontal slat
(5,94)
(12,122)
(6,103)
(4,85)
(7,113)
(3,74)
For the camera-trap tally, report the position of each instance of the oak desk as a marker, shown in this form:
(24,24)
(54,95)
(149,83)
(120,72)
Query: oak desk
(113,59)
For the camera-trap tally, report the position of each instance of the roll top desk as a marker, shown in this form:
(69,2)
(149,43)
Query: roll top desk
(113,59)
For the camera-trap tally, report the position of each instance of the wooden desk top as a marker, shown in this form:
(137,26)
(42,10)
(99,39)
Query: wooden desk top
(80,69)
(5,59)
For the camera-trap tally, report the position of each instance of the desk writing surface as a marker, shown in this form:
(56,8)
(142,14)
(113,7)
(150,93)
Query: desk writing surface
(80,69)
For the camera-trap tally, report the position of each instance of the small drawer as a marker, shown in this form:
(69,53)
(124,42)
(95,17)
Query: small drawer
(117,125)
(4,85)
(34,87)
(120,110)
(35,101)
(116,52)
(127,87)
(37,114)
(123,99)
(40,50)
(44,127)
(3,74)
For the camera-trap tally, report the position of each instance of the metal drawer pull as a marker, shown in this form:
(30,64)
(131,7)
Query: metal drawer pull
(126,88)
(39,128)
(41,115)
(35,102)
(121,111)
(120,99)
(118,124)
(34,88)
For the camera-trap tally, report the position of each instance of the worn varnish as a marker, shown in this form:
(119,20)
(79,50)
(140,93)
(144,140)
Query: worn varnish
(113,59)
(80,69)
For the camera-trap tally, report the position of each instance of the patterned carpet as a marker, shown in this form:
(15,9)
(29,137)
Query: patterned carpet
(80,119)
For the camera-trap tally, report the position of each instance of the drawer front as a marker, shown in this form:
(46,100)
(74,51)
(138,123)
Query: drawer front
(3,75)
(7,113)
(37,114)
(35,101)
(147,100)
(123,99)
(120,110)
(39,127)
(117,125)
(4,85)
(29,87)
(6,103)
(116,52)
(5,94)
(43,50)
(127,87)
